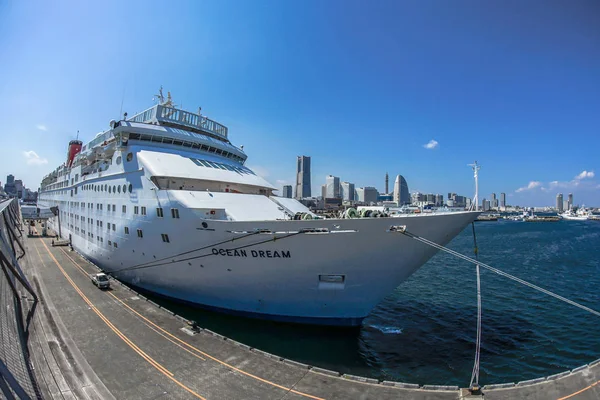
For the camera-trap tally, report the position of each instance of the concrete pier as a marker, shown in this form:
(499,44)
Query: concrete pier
(87,343)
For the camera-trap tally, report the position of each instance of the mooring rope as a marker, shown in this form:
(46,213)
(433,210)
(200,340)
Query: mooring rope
(499,272)
(474,385)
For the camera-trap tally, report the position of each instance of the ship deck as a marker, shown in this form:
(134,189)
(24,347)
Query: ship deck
(93,344)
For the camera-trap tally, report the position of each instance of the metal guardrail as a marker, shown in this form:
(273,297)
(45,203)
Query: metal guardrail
(16,375)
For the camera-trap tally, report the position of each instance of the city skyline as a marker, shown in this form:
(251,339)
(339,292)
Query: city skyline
(418,100)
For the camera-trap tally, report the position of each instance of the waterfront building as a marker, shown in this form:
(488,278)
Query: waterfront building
(559,202)
(347,191)
(324,191)
(468,202)
(485,205)
(439,200)
(570,201)
(502,200)
(333,187)
(401,193)
(303,177)
(287,191)
(431,198)
(371,194)
(494,201)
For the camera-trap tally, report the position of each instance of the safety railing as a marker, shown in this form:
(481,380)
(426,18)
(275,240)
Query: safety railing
(16,375)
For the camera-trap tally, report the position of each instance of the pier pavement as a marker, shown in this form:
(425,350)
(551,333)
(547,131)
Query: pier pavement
(116,344)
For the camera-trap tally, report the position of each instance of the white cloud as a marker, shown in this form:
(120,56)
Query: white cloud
(431,145)
(32,158)
(531,185)
(41,127)
(585,174)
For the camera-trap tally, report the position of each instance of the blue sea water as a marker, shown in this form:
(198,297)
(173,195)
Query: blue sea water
(424,332)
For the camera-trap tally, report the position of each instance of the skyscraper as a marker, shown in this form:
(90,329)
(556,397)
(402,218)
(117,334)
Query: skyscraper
(570,200)
(387,181)
(559,202)
(502,200)
(494,201)
(401,194)
(287,191)
(347,191)
(303,177)
(333,187)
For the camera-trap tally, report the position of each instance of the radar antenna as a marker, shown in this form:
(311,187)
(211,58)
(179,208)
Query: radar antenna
(160,96)
(476,167)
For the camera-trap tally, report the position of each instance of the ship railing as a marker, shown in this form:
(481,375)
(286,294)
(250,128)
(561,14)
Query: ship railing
(162,113)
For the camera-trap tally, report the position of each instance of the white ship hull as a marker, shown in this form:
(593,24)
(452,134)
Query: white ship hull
(280,279)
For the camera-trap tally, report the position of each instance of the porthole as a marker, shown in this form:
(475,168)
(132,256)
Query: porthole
(204,225)
(124,188)
(109,190)
(129,156)
(130,188)
(119,160)
(114,189)
(119,189)
(105,187)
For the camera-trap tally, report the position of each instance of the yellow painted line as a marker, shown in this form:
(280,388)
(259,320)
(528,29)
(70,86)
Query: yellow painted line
(110,325)
(216,359)
(580,391)
(205,354)
(80,268)
(152,362)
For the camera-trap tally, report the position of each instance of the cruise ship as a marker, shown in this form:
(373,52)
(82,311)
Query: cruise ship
(163,201)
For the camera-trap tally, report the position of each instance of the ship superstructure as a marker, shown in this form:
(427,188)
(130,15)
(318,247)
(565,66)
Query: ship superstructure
(163,201)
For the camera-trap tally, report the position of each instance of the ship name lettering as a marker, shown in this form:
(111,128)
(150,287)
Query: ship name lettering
(253,253)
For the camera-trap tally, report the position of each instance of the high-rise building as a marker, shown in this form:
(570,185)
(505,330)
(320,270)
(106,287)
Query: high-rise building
(19,188)
(570,200)
(333,187)
(287,191)
(303,177)
(468,203)
(485,205)
(9,186)
(559,202)
(565,205)
(502,200)
(431,198)
(324,191)
(494,201)
(401,193)
(387,182)
(370,194)
(439,200)
(347,191)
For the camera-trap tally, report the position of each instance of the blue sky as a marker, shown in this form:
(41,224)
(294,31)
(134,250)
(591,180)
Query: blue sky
(360,86)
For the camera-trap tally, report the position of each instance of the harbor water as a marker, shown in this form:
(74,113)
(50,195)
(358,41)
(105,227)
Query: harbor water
(424,331)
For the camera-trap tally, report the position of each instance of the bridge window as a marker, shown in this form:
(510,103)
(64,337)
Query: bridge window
(165,237)
(159,212)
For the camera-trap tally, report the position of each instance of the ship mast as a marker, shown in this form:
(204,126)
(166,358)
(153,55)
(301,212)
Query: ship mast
(476,169)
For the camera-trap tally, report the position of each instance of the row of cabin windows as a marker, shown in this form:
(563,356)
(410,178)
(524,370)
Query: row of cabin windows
(107,188)
(136,210)
(163,139)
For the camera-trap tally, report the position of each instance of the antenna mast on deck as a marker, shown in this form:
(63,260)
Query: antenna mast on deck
(476,167)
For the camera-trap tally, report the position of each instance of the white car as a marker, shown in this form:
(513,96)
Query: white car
(101,280)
